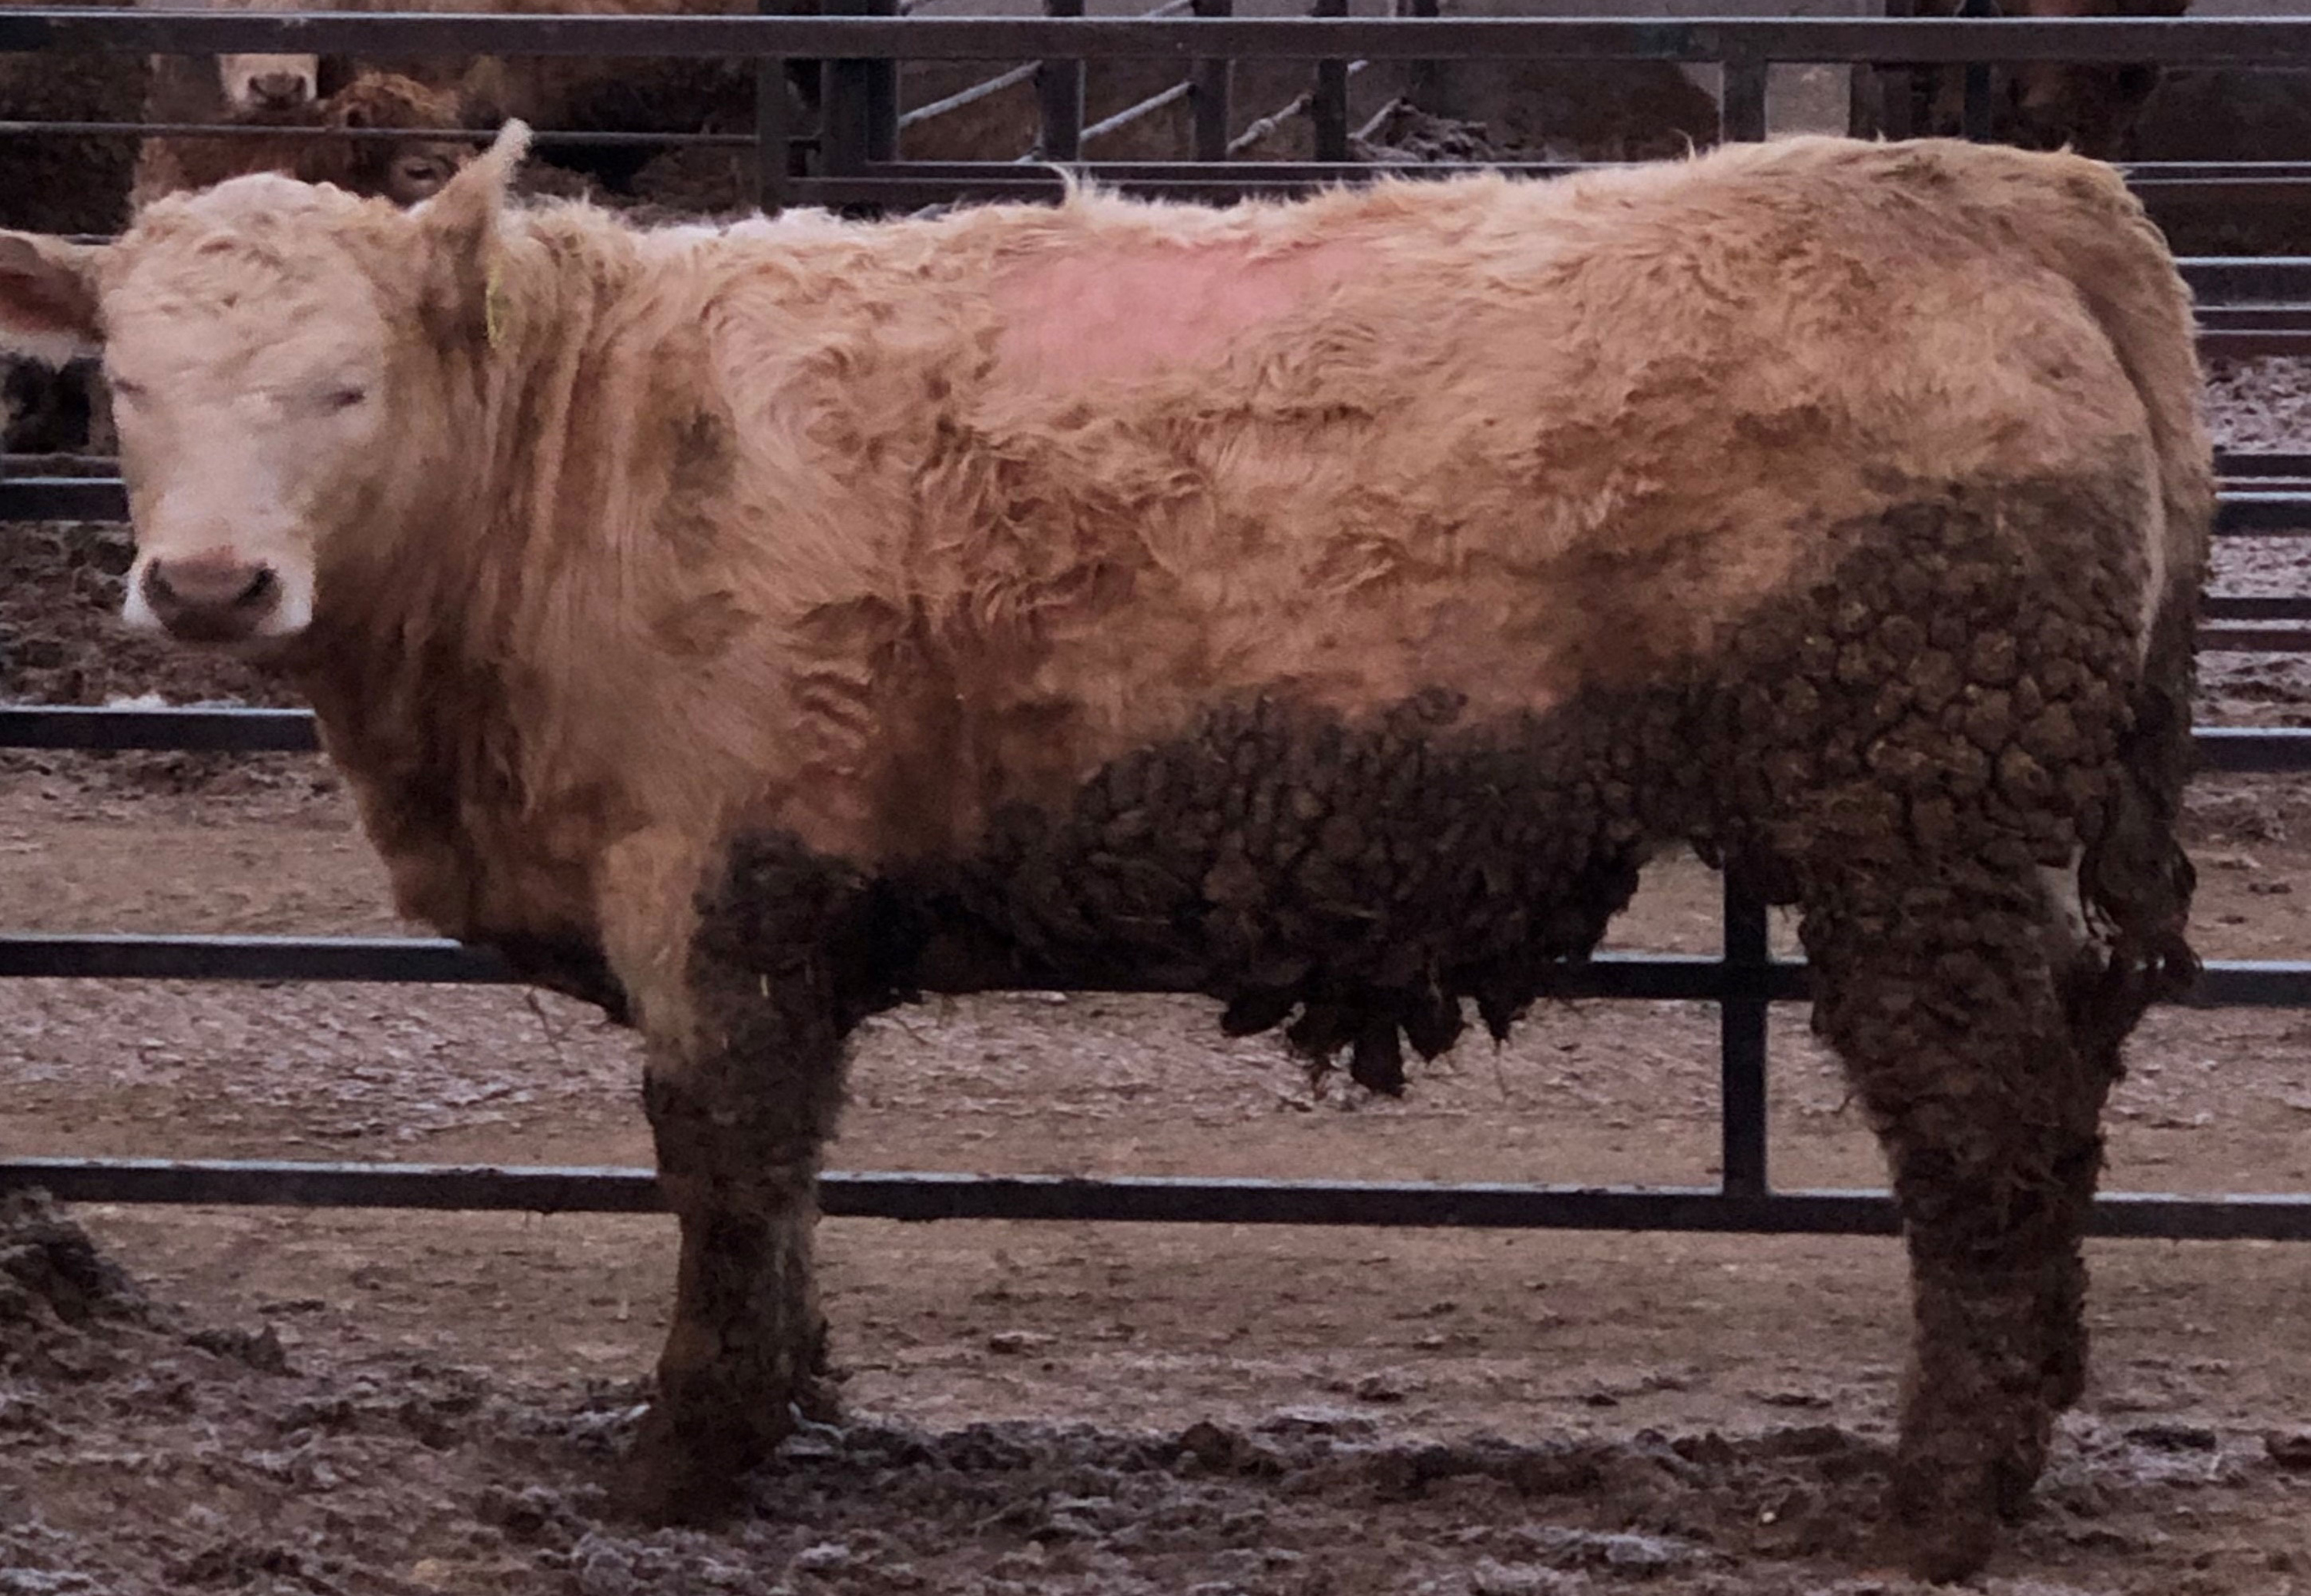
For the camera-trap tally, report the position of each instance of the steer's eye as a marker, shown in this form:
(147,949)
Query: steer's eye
(345,397)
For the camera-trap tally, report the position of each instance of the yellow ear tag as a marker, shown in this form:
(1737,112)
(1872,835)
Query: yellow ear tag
(493,305)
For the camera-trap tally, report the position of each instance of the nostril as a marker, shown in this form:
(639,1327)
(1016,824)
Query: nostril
(260,590)
(157,593)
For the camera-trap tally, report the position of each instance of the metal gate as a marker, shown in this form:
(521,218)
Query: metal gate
(850,158)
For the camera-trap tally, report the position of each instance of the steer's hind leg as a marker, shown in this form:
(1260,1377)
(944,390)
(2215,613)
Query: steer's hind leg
(740,1107)
(1941,986)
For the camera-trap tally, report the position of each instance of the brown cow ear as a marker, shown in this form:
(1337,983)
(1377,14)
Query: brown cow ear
(49,297)
(460,229)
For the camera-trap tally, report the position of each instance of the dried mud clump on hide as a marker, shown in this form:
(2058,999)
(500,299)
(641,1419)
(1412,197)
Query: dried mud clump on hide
(1368,876)
(1964,694)
(1957,685)
(54,1284)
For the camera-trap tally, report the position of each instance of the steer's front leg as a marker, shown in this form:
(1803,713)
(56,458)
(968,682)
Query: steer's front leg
(742,1094)
(737,1140)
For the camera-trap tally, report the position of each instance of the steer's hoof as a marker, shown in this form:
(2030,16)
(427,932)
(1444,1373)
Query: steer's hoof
(669,1478)
(1945,1522)
(1943,1554)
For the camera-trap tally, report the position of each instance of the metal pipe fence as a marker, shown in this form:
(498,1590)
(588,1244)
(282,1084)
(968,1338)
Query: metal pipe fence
(854,146)
(1744,982)
(2249,306)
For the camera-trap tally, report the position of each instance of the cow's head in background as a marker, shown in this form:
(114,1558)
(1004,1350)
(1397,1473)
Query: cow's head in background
(2090,108)
(280,356)
(244,84)
(268,82)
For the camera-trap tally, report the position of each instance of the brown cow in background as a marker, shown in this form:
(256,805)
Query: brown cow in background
(402,170)
(2091,108)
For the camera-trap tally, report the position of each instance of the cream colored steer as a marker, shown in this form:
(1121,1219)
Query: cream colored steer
(1326,607)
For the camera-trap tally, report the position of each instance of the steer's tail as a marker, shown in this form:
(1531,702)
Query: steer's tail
(2078,219)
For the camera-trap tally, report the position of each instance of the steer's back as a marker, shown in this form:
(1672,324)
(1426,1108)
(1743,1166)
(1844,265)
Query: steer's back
(1087,472)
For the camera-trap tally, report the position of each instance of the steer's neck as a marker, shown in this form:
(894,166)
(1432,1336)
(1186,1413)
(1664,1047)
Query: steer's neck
(455,645)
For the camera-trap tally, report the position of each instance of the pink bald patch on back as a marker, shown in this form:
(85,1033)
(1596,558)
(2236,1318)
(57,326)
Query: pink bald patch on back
(1120,309)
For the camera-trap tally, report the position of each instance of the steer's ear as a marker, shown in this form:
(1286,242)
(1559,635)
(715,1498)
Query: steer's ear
(47,297)
(460,228)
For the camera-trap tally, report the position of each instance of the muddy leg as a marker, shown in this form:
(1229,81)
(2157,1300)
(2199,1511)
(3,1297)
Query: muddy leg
(747,1340)
(2105,991)
(1941,993)
(739,1113)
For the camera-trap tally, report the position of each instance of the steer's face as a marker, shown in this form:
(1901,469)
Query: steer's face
(277,354)
(250,390)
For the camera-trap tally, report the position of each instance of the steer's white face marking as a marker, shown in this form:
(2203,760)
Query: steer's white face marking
(249,368)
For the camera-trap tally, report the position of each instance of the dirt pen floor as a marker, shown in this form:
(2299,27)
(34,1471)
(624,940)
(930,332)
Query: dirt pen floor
(317,1401)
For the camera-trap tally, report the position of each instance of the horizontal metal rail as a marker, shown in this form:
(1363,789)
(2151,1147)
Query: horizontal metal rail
(2253,639)
(540,137)
(120,956)
(2251,750)
(2237,41)
(422,959)
(2236,749)
(2251,280)
(902,185)
(193,730)
(417,961)
(2288,606)
(928,1197)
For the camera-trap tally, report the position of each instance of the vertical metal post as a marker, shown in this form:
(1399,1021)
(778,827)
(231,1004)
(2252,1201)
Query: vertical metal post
(1213,80)
(1899,84)
(1865,89)
(861,117)
(1421,77)
(1059,96)
(774,120)
(1327,107)
(1741,118)
(1741,1019)
(1976,122)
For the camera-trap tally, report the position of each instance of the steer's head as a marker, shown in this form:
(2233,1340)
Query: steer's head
(282,358)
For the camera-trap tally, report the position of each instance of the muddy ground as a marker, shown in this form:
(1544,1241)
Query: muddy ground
(332,1401)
